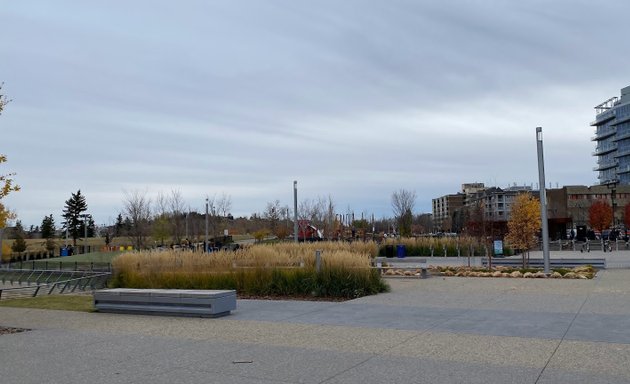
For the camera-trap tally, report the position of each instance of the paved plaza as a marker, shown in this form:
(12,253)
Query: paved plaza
(436,330)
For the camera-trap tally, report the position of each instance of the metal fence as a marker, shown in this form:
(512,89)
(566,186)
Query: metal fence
(18,283)
(58,265)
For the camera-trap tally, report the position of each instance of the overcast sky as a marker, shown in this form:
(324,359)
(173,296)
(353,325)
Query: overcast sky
(354,99)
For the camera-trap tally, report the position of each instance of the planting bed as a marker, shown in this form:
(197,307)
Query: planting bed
(583,272)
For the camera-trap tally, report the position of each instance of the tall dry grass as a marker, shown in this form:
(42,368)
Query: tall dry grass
(352,255)
(270,269)
(452,246)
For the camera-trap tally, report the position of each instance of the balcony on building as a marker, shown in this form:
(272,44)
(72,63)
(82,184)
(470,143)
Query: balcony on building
(603,117)
(622,153)
(605,149)
(606,165)
(622,136)
(620,170)
(604,134)
(620,120)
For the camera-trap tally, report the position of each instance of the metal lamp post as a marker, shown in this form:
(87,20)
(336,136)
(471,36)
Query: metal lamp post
(85,225)
(295,212)
(543,198)
(206,238)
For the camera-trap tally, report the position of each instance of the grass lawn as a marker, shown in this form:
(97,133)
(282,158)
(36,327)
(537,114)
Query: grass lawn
(94,257)
(82,303)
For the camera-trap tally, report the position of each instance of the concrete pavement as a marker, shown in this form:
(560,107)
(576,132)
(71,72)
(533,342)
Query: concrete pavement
(437,330)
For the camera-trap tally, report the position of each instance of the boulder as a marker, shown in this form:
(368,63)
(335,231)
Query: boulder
(569,275)
(540,275)
(516,274)
(497,274)
(528,275)
(556,275)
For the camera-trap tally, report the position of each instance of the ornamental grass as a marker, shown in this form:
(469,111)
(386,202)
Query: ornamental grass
(440,246)
(284,269)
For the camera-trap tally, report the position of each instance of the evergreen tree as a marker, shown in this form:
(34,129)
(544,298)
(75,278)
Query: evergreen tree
(91,229)
(48,227)
(19,245)
(119,226)
(75,205)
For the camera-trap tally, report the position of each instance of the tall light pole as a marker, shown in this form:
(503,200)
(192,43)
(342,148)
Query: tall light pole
(206,241)
(85,217)
(543,198)
(186,222)
(295,212)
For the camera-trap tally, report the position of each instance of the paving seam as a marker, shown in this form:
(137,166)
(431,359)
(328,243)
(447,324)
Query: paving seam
(588,296)
(432,327)
(304,313)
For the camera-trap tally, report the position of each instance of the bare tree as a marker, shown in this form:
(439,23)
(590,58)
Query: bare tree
(219,209)
(161,204)
(329,220)
(160,228)
(177,211)
(273,213)
(137,207)
(403,202)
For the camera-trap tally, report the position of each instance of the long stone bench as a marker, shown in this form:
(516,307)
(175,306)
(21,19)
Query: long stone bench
(178,302)
(404,263)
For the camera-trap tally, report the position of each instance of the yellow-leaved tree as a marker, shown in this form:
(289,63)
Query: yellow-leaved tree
(524,223)
(7,184)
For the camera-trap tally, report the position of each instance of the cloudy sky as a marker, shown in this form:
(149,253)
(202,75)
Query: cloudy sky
(354,99)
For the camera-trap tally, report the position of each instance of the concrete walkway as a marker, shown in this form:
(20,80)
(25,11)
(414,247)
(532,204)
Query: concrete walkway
(438,330)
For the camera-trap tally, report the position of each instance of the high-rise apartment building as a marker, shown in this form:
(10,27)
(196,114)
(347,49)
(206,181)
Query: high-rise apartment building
(612,135)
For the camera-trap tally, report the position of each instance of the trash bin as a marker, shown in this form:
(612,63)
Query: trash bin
(63,251)
(389,251)
(401,251)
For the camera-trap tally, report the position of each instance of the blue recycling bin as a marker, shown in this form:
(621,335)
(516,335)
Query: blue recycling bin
(64,251)
(401,251)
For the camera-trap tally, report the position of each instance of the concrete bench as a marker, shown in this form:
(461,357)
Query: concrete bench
(178,302)
(554,262)
(405,263)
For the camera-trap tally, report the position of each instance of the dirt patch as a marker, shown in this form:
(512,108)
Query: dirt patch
(8,330)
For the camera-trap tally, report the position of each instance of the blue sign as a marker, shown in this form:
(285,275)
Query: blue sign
(498,247)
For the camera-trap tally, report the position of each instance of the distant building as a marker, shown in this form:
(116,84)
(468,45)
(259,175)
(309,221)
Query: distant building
(567,207)
(497,202)
(443,209)
(449,211)
(612,138)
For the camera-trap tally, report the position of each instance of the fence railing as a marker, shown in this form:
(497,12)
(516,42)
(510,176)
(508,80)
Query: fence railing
(32,282)
(59,265)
